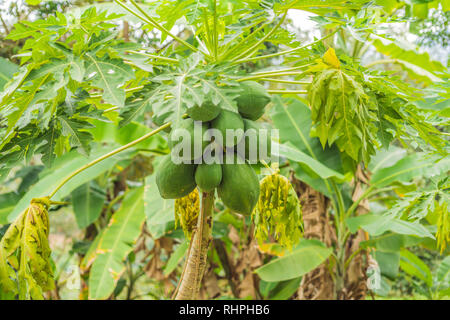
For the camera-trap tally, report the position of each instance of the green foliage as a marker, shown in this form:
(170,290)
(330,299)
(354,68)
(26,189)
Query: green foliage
(88,200)
(51,177)
(408,168)
(311,162)
(190,85)
(52,107)
(115,243)
(7,70)
(302,259)
(341,114)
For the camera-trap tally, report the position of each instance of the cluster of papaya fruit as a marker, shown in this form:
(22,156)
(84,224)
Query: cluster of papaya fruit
(236,182)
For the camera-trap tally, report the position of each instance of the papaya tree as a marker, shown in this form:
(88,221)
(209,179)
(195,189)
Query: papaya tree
(355,171)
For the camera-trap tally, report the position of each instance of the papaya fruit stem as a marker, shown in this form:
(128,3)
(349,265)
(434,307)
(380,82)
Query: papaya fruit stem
(190,281)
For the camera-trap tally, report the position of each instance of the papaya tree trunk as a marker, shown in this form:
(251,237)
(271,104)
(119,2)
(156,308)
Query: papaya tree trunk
(325,283)
(355,274)
(317,284)
(196,260)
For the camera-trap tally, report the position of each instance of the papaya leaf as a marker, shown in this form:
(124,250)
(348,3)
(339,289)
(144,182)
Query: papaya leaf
(7,70)
(408,53)
(410,167)
(320,6)
(342,115)
(376,225)
(109,74)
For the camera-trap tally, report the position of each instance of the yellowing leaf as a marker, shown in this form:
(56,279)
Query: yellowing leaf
(25,253)
(273,249)
(186,212)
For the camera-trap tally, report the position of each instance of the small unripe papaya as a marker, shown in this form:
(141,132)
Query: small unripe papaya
(196,141)
(208,176)
(175,180)
(239,189)
(229,120)
(207,111)
(252,100)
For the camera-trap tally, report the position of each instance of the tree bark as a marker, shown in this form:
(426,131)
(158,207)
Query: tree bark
(196,260)
(317,284)
(355,281)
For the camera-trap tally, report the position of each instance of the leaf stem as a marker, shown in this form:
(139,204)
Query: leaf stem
(266,36)
(381,61)
(340,199)
(128,90)
(154,23)
(273,75)
(110,154)
(285,81)
(287,91)
(286,51)
(111,109)
(215,33)
(356,203)
(281,70)
(152,56)
(227,52)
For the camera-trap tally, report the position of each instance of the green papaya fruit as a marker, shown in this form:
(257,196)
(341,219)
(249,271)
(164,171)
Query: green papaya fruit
(232,121)
(175,180)
(239,189)
(196,141)
(204,112)
(252,100)
(256,137)
(208,176)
